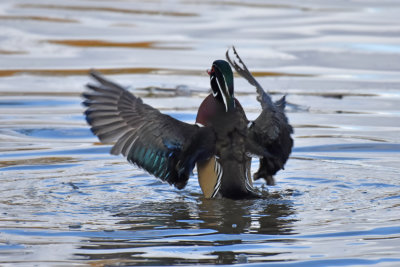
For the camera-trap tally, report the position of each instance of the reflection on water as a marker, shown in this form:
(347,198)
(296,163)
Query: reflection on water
(229,224)
(101,43)
(107,9)
(268,216)
(161,71)
(37,18)
(336,204)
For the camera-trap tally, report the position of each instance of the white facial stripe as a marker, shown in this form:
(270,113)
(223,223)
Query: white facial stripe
(226,85)
(227,91)
(223,96)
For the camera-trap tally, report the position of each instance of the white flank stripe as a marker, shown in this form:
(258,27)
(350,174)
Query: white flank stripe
(218,170)
(248,185)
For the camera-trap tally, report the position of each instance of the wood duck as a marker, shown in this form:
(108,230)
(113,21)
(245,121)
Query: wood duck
(221,142)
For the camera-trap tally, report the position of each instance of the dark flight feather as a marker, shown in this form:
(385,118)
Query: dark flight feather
(271,130)
(165,147)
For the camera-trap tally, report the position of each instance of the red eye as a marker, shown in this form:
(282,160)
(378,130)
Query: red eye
(210,71)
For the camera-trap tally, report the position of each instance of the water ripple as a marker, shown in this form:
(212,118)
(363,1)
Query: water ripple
(335,204)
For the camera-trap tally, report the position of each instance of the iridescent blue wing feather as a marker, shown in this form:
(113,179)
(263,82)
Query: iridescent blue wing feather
(165,147)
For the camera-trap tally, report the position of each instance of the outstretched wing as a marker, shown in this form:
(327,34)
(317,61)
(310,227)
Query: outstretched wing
(165,147)
(271,130)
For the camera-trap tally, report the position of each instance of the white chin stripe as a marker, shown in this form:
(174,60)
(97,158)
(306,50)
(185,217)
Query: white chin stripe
(216,93)
(199,124)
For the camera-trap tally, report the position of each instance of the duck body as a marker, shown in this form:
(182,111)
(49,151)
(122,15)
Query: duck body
(220,142)
(229,175)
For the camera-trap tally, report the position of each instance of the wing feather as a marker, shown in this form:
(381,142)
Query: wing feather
(156,142)
(271,129)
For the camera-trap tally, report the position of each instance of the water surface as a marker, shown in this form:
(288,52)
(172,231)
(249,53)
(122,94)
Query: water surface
(66,202)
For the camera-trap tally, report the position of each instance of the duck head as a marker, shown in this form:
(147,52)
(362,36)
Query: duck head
(221,79)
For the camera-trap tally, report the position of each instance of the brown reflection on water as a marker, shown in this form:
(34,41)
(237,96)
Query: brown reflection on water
(133,70)
(11,52)
(110,9)
(103,43)
(36,161)
(38,18)
(67,72)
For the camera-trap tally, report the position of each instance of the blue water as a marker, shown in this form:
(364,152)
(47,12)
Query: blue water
(66,202)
